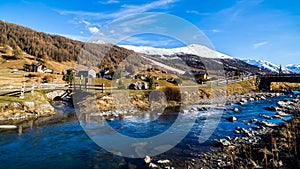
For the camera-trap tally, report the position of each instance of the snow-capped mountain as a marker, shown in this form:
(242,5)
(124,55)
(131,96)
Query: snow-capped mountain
(294,68)
(192,56)
(266,65)
(194,49)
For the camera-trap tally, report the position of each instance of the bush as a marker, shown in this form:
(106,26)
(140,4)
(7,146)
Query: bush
(202,80)
(121,84)
(178,81)
(151,83)
(68,78)
(31,75)
(49,78)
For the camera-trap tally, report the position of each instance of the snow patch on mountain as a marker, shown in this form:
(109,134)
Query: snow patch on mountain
(266,65)
(295,68)
(193,49)
(166,66)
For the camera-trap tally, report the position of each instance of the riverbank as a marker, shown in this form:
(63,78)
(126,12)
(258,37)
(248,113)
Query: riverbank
(14,110)
(176,96)
(167,97)
(265,146)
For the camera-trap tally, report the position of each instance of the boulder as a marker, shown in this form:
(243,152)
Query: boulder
(202,109)
(52,95)
(276,116)
(241,103)
(283,114)
(152,165)
(244,100)
(253,120)
(263,98)
(163,161)
(17,105)
(232,119)
(236,110)
(265,116)
(225,142)
(251,99)
(29,104)
(147,159)
(271,108)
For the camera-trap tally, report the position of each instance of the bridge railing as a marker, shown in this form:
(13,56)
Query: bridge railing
(280,75)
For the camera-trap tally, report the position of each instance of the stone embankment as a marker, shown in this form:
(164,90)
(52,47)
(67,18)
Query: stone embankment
(19,110)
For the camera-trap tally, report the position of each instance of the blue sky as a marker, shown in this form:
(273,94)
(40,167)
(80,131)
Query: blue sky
(254,29)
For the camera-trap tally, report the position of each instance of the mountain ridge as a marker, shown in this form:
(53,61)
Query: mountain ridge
(193,49)
(197,57)
(294,68)
(290,68)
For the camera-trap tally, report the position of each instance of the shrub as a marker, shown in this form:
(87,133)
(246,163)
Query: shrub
(68,78)
(121,84)
(49,78)
(31,75)
(151,83)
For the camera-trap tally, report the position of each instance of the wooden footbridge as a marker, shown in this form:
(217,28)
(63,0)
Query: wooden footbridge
(264,81)
(20,90)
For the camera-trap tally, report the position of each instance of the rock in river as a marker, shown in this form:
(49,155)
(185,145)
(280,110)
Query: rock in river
(236,110)
(271,108)
(232,119)
(147,159)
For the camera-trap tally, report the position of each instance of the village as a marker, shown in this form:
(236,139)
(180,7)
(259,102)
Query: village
(144,80)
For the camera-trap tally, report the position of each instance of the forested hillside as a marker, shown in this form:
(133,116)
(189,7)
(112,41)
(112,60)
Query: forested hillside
(58,48)
(39,44)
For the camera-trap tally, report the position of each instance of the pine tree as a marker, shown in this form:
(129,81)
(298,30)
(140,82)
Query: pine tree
(280,70)
(68,77)
(151,83)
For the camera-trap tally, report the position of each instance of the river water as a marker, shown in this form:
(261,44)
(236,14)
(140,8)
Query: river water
(64,144)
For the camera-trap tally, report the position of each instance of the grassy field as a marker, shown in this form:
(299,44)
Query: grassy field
(11,69)
(37,97)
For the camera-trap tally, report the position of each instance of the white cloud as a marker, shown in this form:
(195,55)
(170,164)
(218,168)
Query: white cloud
(197,13)
(124,11)
(216,30)
(193,12)
(85,22)
(260,44)
(93,29)
(144,20)
(109,2)
(141,41)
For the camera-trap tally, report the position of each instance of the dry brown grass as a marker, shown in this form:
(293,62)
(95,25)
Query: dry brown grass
(11,71)
(241,87)
(279,86)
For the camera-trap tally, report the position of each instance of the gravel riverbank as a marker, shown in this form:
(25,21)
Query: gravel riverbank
(266,146)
